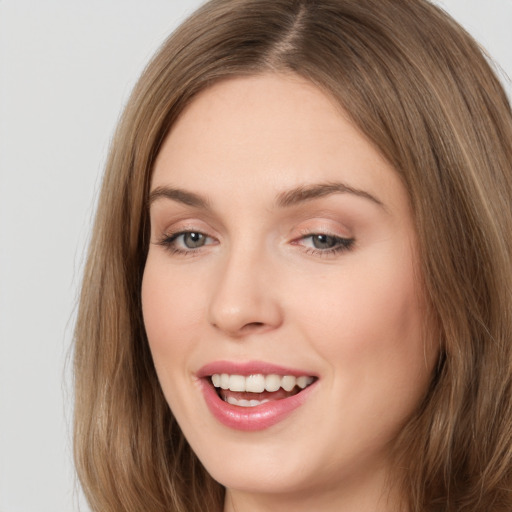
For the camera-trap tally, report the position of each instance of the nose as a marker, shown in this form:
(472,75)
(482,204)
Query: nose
(245,298)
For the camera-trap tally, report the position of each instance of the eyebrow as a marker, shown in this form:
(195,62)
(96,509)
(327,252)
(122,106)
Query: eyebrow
(314,191)
(179,195)
(285,199)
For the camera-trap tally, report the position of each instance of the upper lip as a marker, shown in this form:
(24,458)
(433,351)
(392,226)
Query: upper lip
(250,368)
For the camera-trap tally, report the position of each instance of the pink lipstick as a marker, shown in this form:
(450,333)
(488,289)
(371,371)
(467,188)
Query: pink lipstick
(254,395)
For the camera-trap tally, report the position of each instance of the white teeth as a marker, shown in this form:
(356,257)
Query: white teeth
(244,403)
(303,382)
(272,382)
(236,383)
(255,383)
(288,382)
(224,381)
(258,383)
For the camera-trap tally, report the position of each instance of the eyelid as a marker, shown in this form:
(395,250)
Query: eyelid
(183,224)
(169,241)
(183,233)
(343,241)
(324,226)
(167,232)
(168,217)
(305,236)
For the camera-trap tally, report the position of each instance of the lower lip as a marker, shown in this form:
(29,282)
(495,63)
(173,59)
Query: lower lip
(252,418)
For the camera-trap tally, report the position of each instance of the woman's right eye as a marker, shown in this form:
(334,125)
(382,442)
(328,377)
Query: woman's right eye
(186,241)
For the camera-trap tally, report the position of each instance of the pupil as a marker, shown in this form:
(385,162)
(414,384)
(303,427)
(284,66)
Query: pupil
(323,241)
(193,240)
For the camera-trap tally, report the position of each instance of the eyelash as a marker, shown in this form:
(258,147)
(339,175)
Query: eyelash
(341,244)
(169,243)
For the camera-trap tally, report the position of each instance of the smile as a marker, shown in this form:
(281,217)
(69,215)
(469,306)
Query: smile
(255,390)
(253,396)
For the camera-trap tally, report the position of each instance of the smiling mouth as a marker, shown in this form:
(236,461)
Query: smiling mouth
(257,389)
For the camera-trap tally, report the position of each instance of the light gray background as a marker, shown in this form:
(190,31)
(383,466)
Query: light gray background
(66,69)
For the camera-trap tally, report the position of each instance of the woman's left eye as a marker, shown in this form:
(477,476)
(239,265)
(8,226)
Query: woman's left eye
(324,243)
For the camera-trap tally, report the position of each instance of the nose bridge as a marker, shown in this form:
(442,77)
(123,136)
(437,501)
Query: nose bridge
(243,299)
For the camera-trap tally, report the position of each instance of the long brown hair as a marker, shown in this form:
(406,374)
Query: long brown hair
(420,89)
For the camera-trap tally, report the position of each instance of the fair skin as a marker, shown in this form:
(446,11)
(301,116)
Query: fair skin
(280,236)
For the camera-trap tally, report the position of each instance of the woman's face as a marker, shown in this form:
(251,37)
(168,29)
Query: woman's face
(283,255)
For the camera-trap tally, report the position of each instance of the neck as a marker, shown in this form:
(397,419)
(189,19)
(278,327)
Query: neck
(357,497)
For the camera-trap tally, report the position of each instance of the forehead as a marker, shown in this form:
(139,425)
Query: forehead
(276,130)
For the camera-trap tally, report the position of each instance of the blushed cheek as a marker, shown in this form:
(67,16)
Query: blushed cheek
(371,316)
(160,309)
(159,315)
(153,309)
(171,310)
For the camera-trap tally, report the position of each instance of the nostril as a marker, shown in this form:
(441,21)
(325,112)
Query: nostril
(253,326)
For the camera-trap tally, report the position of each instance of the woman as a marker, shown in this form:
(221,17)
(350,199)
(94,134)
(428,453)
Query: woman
(299,289)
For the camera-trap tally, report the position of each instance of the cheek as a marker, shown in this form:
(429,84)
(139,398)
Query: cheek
(170,310)
(369,330)
(172,319)
(369,318)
